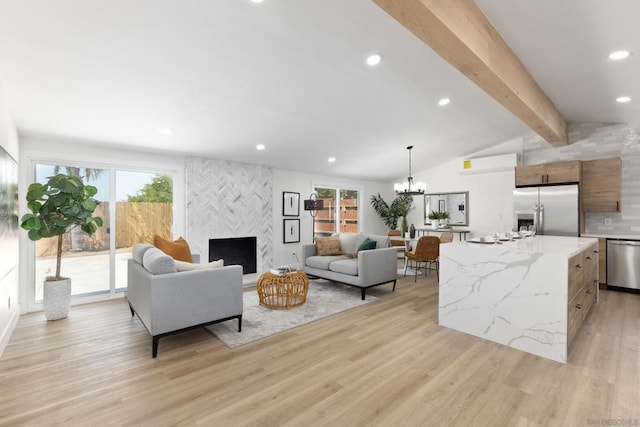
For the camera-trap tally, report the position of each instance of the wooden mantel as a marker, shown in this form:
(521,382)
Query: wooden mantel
(458,31)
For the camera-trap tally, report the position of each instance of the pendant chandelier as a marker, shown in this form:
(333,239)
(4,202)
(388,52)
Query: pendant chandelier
(409,188)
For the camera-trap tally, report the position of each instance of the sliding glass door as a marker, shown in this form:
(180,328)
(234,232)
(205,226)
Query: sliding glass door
(84,258)
(144,208)
(134,205)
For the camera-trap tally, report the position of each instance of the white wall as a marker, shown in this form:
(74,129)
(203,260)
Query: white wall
(304,183)
(490,206)
(9,284)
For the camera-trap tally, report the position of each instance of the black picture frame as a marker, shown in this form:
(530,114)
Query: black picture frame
(291,230)
(290,203)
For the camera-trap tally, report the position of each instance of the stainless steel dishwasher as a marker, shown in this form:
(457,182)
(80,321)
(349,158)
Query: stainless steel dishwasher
(623,263)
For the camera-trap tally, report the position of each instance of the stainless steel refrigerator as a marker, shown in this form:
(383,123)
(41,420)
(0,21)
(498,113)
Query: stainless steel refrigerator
(553,210)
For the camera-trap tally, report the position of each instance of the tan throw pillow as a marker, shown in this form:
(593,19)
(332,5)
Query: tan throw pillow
(187,266)
(178,250)
(328,245)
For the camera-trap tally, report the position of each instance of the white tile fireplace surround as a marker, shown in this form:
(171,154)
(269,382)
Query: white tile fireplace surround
(229,199)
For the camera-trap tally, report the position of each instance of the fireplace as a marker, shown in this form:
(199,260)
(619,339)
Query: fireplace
(235,251)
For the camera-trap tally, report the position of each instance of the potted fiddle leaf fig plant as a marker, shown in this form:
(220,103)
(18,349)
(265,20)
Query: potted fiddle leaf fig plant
(57,207)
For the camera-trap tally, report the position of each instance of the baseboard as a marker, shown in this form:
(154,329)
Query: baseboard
(6,333)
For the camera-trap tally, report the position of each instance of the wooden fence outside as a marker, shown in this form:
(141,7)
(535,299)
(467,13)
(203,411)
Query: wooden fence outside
(137,222)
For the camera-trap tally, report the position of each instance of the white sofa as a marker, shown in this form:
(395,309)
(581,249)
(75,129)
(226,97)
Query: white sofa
(369,268)
(169,302)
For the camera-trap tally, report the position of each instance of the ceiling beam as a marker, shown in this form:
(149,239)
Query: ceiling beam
(458,31)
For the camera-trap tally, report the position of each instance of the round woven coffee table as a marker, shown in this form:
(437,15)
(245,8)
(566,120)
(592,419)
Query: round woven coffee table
(282,290)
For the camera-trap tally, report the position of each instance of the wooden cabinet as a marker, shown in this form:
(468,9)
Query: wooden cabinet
(549,173)
(601,185)
(582,289)
(602,260)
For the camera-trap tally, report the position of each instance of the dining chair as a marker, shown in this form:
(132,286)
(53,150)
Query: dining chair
(446,237)
(426,254)
(396,240)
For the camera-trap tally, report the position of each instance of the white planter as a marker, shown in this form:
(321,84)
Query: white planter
(57,299)
(435,224)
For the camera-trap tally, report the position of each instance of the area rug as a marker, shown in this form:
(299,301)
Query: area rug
(323,299)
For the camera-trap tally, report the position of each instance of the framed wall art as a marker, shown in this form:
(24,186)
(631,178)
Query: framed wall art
(291,230)
(290,203)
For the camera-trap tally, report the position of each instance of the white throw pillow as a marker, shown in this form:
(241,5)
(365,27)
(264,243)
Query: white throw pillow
(187,266)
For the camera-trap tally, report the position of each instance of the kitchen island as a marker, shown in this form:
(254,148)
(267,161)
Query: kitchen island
(531,294)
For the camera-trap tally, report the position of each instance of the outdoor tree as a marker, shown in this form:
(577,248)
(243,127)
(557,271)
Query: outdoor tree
(159,190)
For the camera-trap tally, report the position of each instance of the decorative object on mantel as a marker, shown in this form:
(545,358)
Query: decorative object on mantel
(409,188)
(400,207)
(313,205)
(290,203)
(58,206)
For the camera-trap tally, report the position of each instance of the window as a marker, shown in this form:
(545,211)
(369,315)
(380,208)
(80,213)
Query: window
(340,214)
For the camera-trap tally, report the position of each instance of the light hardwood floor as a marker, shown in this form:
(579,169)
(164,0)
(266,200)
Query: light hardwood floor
(386,363)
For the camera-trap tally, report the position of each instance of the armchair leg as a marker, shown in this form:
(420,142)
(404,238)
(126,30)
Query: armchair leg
(362,292)
(154,350)
(133,313)
(394,286)
(240,323)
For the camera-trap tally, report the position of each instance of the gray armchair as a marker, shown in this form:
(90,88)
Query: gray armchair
(168,302)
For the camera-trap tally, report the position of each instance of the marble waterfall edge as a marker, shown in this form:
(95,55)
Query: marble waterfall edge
(510,297)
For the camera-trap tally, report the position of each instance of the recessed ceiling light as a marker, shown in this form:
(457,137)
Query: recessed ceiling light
(623,99)
(165,131)
(257,1)
(373,60)
(260,147)
(444,101)
(619,54)
(331,159)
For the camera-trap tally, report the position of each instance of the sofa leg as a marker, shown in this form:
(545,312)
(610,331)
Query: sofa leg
(394,286)
(154,350)
(362,292)
(240,323)
(133,313)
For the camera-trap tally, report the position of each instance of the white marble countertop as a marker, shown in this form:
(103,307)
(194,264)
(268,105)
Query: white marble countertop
(555,245)
(613,236)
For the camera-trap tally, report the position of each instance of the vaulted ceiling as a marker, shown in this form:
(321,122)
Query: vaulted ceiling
(291,74)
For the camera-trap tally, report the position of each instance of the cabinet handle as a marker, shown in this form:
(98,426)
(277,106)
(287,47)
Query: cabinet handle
(588,257)
(579,266)
(589,291)
(596,281)
(579,306)
(595,252)
(618,206)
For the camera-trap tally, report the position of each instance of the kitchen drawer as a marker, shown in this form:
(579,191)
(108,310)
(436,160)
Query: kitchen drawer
(589,297)
(576,275)
(590,262)
(575,315)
